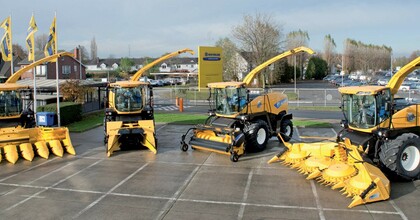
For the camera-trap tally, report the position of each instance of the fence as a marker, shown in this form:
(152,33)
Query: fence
(299,97)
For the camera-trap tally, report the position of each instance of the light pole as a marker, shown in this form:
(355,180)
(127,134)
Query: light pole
(80,63)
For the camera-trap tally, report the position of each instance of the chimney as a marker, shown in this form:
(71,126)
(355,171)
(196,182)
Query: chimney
(76,53)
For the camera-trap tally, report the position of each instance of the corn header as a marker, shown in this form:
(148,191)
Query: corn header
(240,121)
(129,117)
(380,136)
(24,140)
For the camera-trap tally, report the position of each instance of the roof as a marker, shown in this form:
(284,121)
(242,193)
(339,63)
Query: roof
(39,56)
(225,84)
(361,89)
(51,83)
(5,66)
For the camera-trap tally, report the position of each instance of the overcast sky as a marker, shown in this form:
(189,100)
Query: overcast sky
(138,28)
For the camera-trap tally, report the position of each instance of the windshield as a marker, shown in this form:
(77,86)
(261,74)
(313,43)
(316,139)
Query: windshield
(10,103)
(366,111)
(229,100)
(128,99)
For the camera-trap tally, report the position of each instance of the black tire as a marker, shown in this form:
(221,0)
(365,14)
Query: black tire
(401,156)
(184,147)
(286,130)
(234,157)
(256,136)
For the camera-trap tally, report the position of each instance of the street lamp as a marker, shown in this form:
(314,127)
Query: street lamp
(80,62)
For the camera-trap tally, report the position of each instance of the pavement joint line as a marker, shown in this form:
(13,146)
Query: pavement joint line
(297,132)
(26,170)
(181,163)
(318,203)
(33,167)
(335,133)
(245,196)
(169,204)
(41,177)
(109,191)
(55,184)
(203,201)
(400,212)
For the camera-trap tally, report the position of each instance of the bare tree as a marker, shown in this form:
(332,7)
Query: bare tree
(40,42)
(230,59)
(260,36)
(19,51)
(329,51)
(93,49)
(296,39)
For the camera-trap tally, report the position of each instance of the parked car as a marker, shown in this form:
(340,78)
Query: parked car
(383,81)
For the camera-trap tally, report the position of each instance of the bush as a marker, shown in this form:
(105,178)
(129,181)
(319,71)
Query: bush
(69,111)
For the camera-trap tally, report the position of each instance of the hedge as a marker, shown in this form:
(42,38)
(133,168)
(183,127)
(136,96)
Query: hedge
(69,111)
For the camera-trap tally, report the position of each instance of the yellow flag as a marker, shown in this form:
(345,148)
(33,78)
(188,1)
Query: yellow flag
(6,46)
(30,42)
(50,47)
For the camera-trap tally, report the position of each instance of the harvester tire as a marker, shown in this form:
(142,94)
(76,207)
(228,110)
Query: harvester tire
(184,147)
(402,155)
(256,136)
(286,130)
(234,157)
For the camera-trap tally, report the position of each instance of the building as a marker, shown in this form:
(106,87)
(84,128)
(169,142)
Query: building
(68,68)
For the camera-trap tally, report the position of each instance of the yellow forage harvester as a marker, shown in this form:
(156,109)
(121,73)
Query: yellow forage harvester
(129,116)
(25,140)
(339,165)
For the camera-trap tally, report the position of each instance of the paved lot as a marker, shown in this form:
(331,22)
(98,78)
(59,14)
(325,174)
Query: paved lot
(179,185)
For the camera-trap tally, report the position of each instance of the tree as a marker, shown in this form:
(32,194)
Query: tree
(317,68)
(260,36)
(93,49)
(329,51)
(73,91)
(84,54)
(40,42)
(230,59)
(19,51)
(296,39)
(125,67)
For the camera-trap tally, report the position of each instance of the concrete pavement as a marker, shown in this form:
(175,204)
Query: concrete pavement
(179,185)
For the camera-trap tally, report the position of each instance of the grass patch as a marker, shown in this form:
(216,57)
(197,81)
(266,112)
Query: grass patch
(88,122)
(96,119)
(182,119)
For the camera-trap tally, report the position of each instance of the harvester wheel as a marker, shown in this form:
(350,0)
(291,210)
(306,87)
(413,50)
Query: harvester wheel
(256,136)
(184,147)
(286,129)
(234,157)
(402,156)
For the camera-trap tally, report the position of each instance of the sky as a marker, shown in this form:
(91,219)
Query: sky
(138,28)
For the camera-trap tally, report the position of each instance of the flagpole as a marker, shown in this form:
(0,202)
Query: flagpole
(11,46)
(56,74)
(33,61)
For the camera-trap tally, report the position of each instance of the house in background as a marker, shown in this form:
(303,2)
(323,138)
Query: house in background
(5,67)
(68,68)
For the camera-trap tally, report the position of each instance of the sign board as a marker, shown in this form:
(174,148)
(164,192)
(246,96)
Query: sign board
(210,65)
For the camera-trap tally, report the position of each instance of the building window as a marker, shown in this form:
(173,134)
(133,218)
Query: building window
(41,70)
(75,68)
(66,69)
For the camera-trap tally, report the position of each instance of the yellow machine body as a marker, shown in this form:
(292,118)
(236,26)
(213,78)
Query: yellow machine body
(242,121)
(129,116)
(26,142)
(380,130)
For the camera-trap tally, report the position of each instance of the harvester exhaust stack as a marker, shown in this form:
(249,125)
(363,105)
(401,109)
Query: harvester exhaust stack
(339,165)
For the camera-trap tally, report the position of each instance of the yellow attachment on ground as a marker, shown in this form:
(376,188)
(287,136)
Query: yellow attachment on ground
(211,136)
(143,129)
(28,142)
(339,165)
